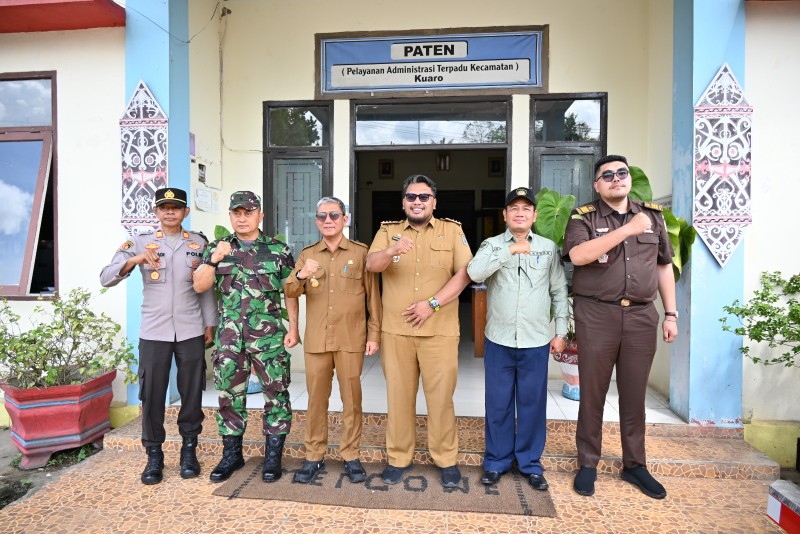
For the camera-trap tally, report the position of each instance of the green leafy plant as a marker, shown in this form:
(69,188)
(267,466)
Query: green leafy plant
(772,316)
(63,342)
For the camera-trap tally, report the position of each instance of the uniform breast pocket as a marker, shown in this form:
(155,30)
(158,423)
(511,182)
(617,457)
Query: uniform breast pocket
(154,275)
(442,254)
(192,264)
(647,245)
(315,288)
(351,278)
(269,277)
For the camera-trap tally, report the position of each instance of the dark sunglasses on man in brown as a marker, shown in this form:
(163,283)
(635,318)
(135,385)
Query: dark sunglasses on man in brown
(424,197)
(322,215)
(608,176)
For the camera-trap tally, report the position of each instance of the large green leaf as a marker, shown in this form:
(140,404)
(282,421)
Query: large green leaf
(682,236)
(640,185)
(553,211)
(220,232)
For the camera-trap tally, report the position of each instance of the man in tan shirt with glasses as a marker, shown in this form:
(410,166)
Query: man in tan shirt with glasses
(343,323)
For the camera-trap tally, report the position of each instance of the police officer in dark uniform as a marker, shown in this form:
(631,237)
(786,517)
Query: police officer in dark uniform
(175,321)
(622,256)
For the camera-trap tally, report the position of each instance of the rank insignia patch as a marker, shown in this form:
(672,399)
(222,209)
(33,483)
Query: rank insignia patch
(126,245)
(194,246)
(583,210)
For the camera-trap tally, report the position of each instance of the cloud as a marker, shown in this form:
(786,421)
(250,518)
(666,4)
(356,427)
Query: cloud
(16,214)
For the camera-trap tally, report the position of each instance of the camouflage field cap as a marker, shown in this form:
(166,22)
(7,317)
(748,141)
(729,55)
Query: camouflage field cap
(171,195)
(245,199)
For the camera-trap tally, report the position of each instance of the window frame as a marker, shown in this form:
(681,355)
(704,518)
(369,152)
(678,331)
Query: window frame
(47,180)
(271,153)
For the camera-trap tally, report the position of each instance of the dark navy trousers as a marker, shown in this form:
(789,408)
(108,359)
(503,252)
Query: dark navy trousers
(516,381)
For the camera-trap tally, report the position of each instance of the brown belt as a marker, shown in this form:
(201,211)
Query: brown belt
(619,302)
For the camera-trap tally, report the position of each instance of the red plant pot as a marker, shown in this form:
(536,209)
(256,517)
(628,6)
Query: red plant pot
(46,420)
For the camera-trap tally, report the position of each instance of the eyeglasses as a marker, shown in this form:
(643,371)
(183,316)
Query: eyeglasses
(608,176)
(322,215)
(424,197)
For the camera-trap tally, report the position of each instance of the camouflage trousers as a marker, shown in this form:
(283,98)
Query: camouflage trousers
(231,373)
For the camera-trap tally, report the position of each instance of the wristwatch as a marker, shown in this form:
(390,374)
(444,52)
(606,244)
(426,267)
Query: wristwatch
(561,336)
(211,263)
(671,314)
(433,302)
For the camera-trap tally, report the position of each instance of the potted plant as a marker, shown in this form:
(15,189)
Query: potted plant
(553,213)
(56,372)
(771,316)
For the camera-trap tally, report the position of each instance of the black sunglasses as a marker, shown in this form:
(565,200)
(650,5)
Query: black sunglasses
(322,215)
(424,197)
(608,176)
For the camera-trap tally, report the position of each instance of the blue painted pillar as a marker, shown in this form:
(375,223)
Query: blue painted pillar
(157,51)
(706,368)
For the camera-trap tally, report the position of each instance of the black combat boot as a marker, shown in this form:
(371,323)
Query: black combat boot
(272,463)
(232,459)
(154,471)
(190,467)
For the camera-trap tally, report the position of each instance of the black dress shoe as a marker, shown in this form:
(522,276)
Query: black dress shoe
(393,475)
(355,471)
(154,470)
(538,482)
(309,471)
(641,477)
(491,477)
(584,481)
(450,476)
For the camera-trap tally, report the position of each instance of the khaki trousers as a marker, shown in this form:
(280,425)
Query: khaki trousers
(319,376)
(403,359)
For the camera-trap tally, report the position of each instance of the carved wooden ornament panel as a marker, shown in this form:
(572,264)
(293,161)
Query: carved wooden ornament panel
(143,136)
(722,209)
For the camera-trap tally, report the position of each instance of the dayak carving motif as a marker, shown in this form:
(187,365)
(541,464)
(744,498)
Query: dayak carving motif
(722,120)
(143,136)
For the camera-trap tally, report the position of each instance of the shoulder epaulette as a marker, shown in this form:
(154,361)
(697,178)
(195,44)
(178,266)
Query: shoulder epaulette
(450,220)
(312,245)
(653,206)
(586,208)
(359,243)
(390,222)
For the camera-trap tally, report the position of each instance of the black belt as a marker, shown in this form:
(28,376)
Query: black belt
(619,302)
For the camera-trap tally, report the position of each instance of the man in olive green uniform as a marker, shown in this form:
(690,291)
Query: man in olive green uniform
(339,292)
(423,261)
(623,258)
(248,268)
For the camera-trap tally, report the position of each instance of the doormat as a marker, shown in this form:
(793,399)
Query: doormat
(419,490)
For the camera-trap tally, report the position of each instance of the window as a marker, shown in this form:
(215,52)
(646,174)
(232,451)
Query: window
(426,123)
(296,168)
(568,134)
(27,233)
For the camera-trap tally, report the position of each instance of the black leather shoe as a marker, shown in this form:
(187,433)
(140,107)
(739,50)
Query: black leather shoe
(584,481)
(272,464)
(308,472)
(355,471)
(641,477)
(538,482)
(154,470)
(232,459)
(491,477)
(392,475)
(450,476)
(190,467)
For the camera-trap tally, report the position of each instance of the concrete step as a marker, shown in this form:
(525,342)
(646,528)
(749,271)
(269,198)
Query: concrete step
(673,450)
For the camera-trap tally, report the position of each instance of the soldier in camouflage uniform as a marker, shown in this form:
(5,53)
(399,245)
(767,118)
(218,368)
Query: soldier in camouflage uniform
(248,268)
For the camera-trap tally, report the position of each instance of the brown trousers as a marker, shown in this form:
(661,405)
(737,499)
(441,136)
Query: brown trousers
(403,359)
(610,335)
(319,376)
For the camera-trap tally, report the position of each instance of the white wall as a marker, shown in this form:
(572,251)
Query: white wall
(90,76)
(771,78)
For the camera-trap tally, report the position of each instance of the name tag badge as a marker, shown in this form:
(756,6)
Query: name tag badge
(603,259)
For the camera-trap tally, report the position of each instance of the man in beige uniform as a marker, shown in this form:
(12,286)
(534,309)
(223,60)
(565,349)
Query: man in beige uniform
(424,265)
(339,291)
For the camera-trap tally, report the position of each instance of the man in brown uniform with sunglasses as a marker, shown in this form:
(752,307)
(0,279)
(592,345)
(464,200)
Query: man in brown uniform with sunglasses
(423,261)
(622,256)
(339,293)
